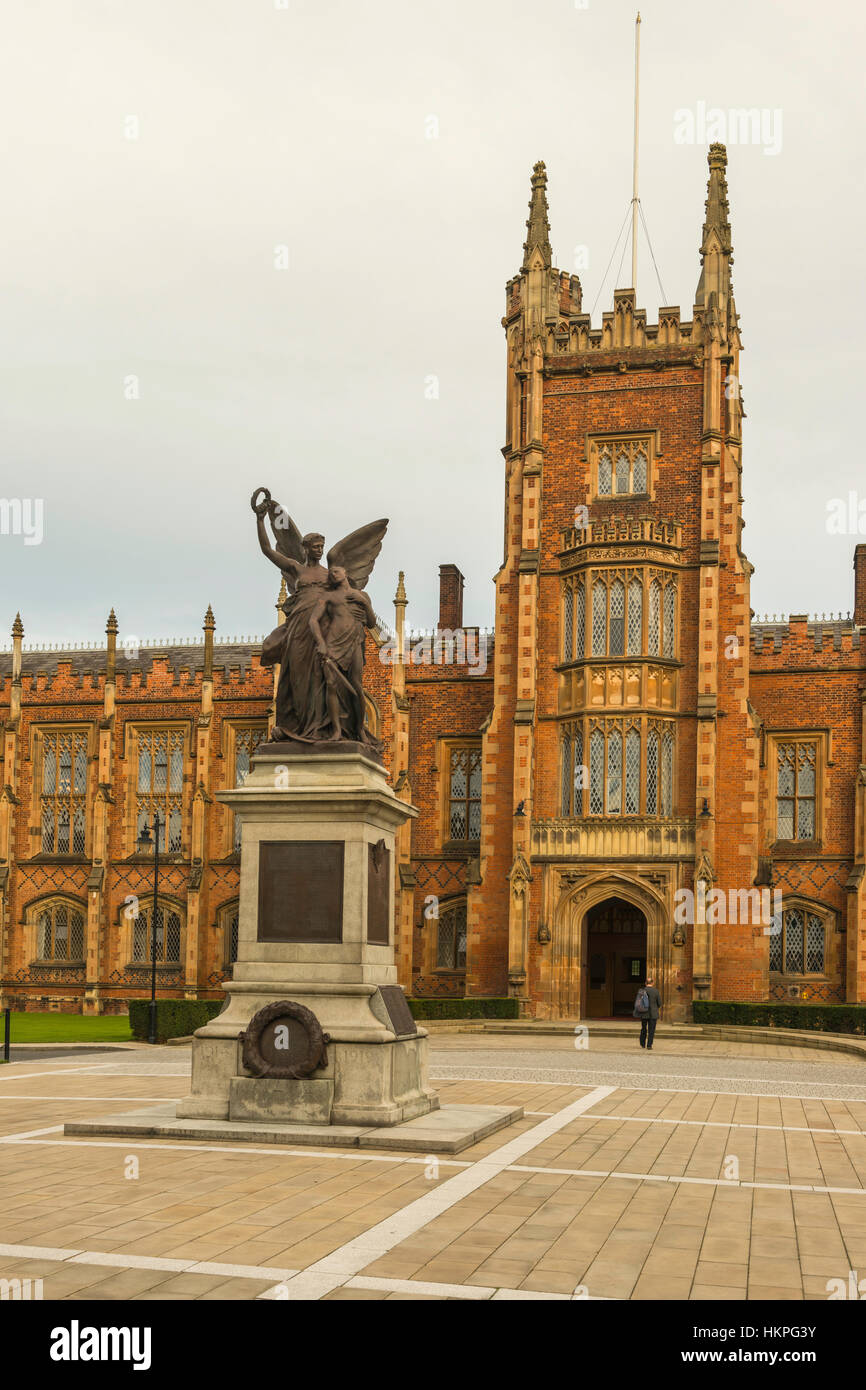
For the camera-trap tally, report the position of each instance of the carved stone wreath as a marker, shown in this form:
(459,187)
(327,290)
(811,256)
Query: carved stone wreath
(315,1055)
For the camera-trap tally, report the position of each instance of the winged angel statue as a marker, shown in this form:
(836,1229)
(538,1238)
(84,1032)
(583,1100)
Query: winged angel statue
(320,646)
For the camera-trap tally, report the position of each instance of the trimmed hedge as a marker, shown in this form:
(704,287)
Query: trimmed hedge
(819,1018)
(464,1008)
(175,1018)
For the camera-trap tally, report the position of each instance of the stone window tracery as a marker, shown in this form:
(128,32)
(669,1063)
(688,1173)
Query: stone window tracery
(59,930)
(63,800)
(621,467)
(160,785)
(799,948)
(796,789)
(630,770)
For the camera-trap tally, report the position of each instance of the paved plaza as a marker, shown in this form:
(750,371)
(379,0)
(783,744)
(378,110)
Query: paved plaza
(706,1170)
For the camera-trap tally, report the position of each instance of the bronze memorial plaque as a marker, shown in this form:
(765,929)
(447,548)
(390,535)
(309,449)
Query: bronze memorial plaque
(378,894)
(300,890)
(398,1009)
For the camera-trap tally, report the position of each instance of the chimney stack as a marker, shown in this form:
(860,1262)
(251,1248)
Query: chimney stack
(450,598)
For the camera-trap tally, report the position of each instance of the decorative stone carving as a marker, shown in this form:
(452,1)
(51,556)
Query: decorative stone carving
(288,1029)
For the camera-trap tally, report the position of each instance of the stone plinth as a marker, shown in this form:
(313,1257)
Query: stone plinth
(315,930)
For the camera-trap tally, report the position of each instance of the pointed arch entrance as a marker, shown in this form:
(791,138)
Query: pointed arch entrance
(616,957)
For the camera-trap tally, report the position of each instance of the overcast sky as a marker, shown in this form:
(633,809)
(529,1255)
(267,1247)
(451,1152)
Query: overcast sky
(306,124)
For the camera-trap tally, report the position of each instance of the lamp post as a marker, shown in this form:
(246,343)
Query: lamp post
(145,840)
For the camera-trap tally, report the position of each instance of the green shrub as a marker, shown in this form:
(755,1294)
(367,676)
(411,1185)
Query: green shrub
(175,1018)
(464,1008)
(820,1018)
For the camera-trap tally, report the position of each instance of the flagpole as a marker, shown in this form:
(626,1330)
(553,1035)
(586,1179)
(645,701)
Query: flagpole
(634,197)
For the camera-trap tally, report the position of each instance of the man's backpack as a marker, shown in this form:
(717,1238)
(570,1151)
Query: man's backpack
(641,1003)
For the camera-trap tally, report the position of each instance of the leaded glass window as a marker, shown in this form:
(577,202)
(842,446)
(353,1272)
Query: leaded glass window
(614,773)
(799,948)
(167,935)
(796,764)
(605,473)
(64,791)
(60,932)
(464,795)
(579,774)
(580,622)
(639,473)
(596,772)
(623,467)
(776,948)
(794,942)
(632,773)
(814,945)
(635,618)
(568,625)
(669,611)
(566,774)
(246,743)
(667,778)
(654,628)
(599,618)
(617,618)
(622,472)
(652,773)
(160,785)
(451,942)
(230,919)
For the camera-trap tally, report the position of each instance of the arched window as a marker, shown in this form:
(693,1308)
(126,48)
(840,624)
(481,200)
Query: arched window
(667,778)
(599,618)
(614,773)
(652,773)
(640,472)
(635,618)
(654,630)
(451,939)
(580,621)
(605,473)
(168,935)
(566,774)
(579,774)
(622,472)
(228,921)
(59,930)
(799,947)
(669,611)
(596,772)
(568,625)
(617,618)
(632,772)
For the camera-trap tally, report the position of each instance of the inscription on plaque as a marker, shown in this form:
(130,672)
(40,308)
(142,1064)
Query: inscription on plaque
(398,1009)
(378,894)
(300,890)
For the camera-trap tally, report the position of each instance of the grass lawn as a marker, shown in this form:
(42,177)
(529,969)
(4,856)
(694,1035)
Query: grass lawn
(48,1027)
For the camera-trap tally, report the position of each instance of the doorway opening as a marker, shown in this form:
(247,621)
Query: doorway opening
(616,937)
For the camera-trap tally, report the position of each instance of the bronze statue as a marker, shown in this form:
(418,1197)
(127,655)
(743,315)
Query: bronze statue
(320,646)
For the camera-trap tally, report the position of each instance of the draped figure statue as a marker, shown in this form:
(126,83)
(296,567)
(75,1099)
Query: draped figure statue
(320,646)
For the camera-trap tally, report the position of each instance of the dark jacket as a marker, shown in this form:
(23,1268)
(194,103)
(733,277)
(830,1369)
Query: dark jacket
(655,1001)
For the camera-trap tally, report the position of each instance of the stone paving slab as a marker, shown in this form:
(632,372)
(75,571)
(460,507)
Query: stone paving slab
(451,1129)
(683,1179)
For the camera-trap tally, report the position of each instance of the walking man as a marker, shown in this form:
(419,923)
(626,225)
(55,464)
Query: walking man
(647,1007)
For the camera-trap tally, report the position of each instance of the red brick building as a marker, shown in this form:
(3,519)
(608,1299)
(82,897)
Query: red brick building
(633,776)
